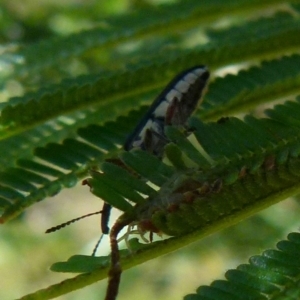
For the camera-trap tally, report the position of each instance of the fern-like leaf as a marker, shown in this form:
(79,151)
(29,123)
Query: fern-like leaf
(79,96)
(272,275)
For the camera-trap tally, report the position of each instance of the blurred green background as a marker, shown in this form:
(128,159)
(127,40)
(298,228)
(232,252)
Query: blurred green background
(26,253)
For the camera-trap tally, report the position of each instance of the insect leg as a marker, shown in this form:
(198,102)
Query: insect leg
(115,267)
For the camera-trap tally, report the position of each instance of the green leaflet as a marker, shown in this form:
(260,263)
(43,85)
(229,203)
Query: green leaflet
(128,179)
(80,264)
(273,274)
(101,188)
(148,166)
(190,150)
(251,87)
(62,164)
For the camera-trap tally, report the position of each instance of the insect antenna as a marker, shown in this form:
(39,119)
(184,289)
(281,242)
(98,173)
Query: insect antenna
(97,245)
(58,227)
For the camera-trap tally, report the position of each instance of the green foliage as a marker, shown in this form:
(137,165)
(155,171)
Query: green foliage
(83,93)
(269,273)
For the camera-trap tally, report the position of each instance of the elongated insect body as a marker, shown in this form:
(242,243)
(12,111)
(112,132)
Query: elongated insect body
(172,107)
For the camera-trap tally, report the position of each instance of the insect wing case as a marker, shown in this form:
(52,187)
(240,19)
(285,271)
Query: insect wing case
(173,106)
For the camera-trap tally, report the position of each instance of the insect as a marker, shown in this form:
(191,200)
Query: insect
(173,107)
